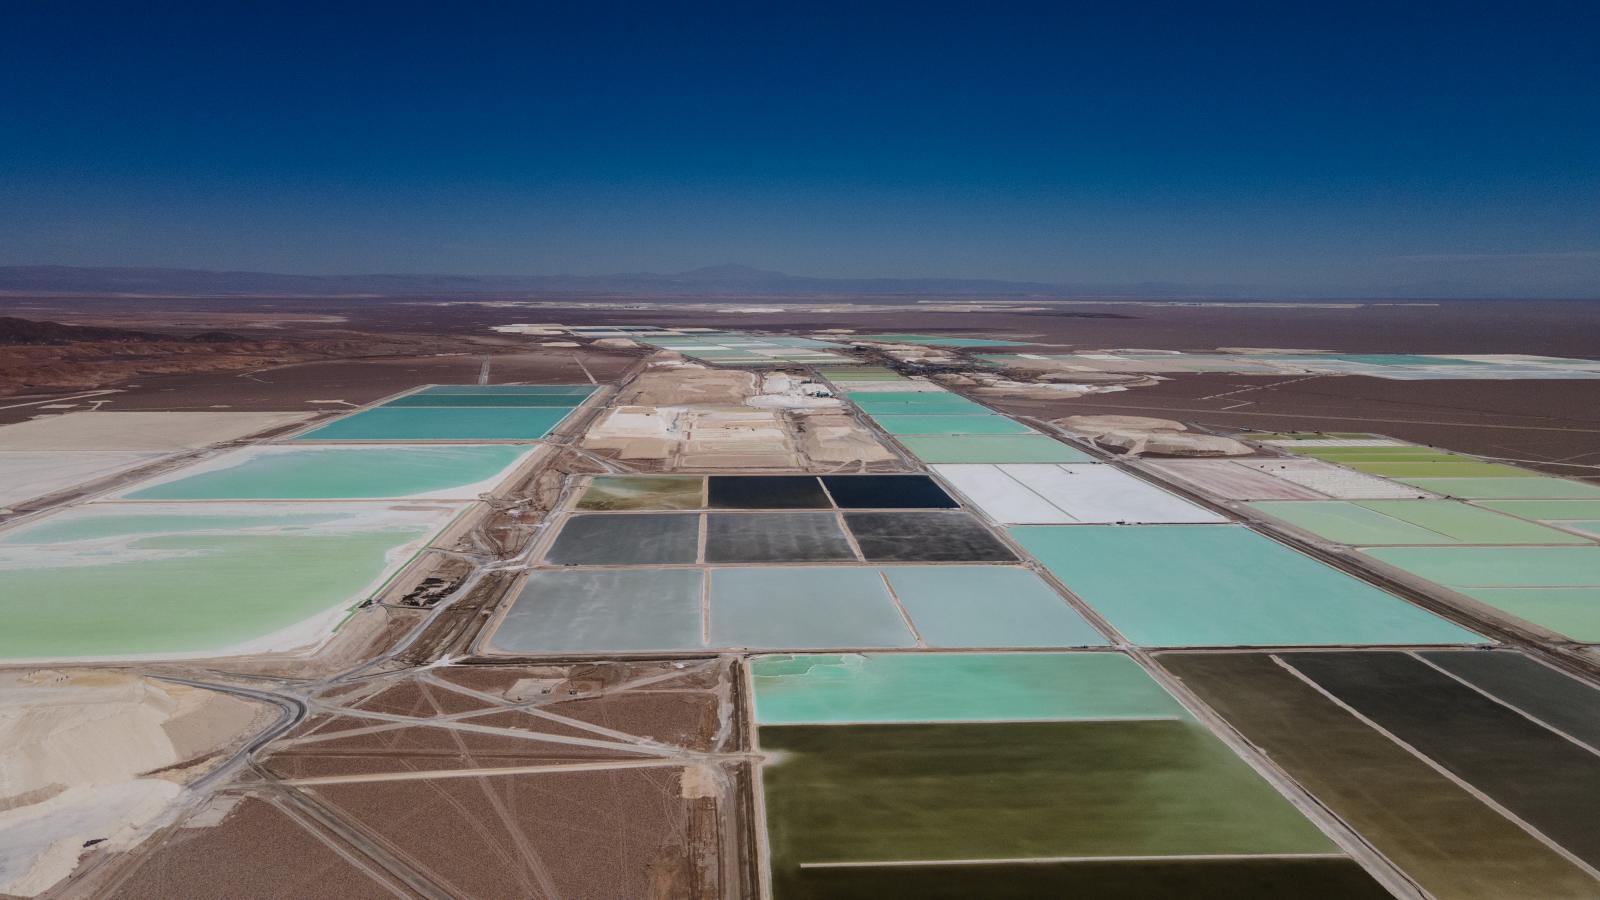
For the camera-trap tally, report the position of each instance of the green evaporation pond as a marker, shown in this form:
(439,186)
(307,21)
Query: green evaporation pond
(1532,488)
(1376,522)
(1017,790)
(1572,611)
(1548,510)
(442,424)
(1441,469)
(333,473)
(955,687)
(1498,566)
(185,584)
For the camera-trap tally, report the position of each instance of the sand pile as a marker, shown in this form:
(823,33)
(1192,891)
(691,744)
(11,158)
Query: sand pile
(1144,436)
(835,437)
(682,385)
(93,756)
(699,437)
(616,343)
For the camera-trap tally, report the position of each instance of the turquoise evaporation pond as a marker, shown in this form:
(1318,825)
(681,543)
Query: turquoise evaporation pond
(1223,586)
(118,580)
(879,688)
(442,424)
(955,423)
(988,606)
(917,403)
(341,473)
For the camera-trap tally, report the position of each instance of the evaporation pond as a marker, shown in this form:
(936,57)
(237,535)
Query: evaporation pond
(432,423)
(609,539)
(1224,585)
(955,687)
(987,448)
(987,606)
(603,611)
(956,423)
(920,402)
(340,473)
(804,608)
(483,400)
(159,579)
(1018,790)
(887,492)
(629,492)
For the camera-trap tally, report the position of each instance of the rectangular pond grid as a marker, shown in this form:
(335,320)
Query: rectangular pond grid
(1085,777)
(1433,828)
(563,611)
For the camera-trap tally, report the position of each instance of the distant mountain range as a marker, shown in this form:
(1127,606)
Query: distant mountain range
(726,282)
(718,281)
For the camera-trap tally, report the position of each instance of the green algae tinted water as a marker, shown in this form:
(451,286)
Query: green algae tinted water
(94,583)
(1192,878)
(341,473)
(1536,487)
(1571,611)
(878,793)
(609,492)
(955,687)
(1379,522)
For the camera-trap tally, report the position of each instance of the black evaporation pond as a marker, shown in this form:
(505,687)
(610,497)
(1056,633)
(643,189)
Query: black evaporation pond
(887,492)
(925,537)
(767,492)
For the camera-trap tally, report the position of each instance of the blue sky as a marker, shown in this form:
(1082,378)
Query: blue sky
(1338,148)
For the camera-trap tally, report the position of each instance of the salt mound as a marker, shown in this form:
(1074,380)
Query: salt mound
(1161,442)
(1097,425)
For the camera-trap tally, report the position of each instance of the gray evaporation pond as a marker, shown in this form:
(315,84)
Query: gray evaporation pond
(627,539)
(603,611)
(776,537)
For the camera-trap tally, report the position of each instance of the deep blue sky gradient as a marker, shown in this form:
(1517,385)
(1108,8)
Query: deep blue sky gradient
(1341,148)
